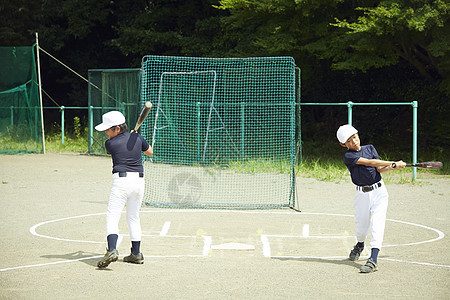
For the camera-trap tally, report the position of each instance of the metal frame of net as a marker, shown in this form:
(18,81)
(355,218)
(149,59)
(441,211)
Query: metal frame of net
(222,131)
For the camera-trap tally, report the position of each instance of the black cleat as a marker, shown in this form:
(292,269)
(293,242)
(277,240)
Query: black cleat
(369,267)
(355,253)
(110,256)
(134,259)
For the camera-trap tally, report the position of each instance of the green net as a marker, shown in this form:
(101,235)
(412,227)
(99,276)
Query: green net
(111,89)
(222,131)
(20,115)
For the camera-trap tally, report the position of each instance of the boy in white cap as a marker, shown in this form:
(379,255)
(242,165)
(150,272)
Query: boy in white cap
(128,185)
(371,198)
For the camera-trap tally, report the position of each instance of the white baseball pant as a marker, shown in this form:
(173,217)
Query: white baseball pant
(370,215)
(127,190)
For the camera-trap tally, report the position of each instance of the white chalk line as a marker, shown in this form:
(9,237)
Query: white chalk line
(50,263)
(163,233)
(415,262)
(33,229)
(441,235)
(346,257)
(93,257)
(165,229)
(311,236)
(208,240)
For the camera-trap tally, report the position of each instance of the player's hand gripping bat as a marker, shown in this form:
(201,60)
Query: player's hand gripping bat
(144,113)
(431,165)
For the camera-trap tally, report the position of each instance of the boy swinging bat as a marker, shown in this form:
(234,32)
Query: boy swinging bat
(371,198)
(128,183)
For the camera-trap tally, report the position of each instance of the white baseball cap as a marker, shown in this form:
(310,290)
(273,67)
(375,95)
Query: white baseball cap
(110,119)
(345,132)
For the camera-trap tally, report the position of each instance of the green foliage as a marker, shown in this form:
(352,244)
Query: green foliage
(18,139)
(170,28)
(322,169)
(77,127)
(258,165)
(11,145)
(353,35)
(414,30)
(71,144)
(75,140)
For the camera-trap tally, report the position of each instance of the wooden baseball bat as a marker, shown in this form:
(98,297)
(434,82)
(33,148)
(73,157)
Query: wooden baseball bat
(144,113)
(431,165)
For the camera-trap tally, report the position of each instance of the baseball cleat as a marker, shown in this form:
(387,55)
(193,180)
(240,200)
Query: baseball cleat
(355,253)
(110,256)
(134,259)
(369,267)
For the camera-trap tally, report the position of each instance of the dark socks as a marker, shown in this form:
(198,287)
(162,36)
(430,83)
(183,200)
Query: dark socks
(374,254)
(112,241)
(360,244)
(135,247)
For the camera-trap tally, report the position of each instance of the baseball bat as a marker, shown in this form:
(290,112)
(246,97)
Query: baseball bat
(431,165)
(144,113)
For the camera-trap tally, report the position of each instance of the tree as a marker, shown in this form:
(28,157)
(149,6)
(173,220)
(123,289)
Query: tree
(17,22)
(352,35)
(416,31)
(175,27)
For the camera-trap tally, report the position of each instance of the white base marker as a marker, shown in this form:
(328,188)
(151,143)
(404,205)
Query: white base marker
(305,230)
(207,241)
(266,245)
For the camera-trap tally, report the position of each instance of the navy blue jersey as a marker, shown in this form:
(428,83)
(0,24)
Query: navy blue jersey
(126,149)
(362,175)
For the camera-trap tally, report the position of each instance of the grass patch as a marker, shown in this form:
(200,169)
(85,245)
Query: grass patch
(53,143)
(74,141)
(258,165)
(10,145)
(327,170)
(321,161)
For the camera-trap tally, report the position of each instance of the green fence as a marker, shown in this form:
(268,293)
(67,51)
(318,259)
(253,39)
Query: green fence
(20,115)
(111,89)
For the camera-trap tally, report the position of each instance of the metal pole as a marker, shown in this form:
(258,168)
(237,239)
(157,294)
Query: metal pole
(198,131)
(350,112)
(62,124)
(91,128)
(12,115)
(415,105)
(40,92)
(242,129)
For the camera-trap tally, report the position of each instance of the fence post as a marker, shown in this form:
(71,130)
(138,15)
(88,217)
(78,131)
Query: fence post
(242,129)
(12,115)
(90,128)
(350,112)
(198,131)
(415,105)
(62,124)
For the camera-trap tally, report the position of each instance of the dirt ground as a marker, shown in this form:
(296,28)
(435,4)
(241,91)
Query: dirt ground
(52,212)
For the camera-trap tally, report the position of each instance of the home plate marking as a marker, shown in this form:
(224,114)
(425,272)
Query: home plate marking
(233,246)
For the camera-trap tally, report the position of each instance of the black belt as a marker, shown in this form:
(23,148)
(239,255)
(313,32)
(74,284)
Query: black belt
(368,188)
(124,174)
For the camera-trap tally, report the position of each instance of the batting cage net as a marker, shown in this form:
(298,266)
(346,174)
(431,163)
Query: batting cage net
(222,131)
(111,89)
(20,111)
